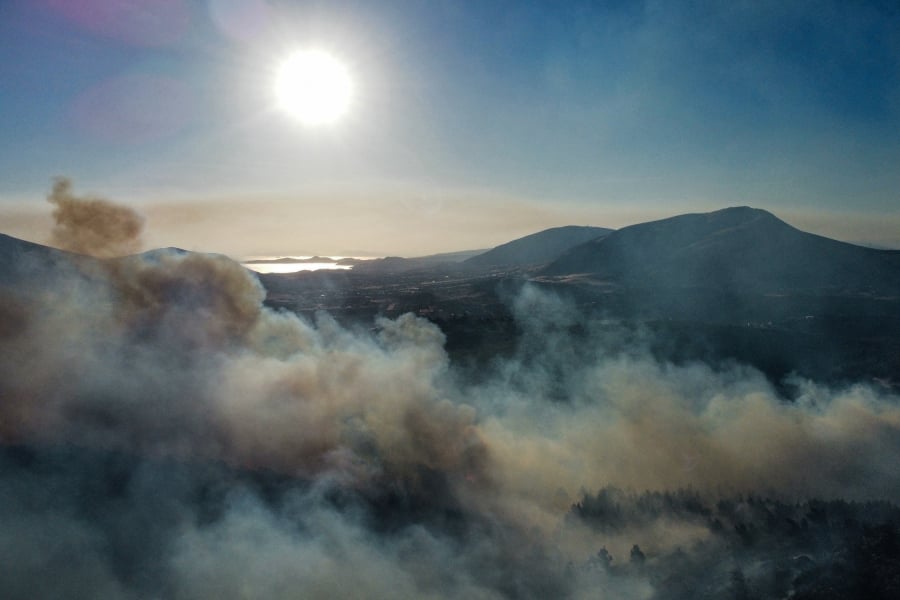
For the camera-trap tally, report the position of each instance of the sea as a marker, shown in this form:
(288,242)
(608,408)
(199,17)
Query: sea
(260,266)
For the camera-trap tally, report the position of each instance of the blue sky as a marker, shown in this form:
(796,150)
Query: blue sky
(473,122)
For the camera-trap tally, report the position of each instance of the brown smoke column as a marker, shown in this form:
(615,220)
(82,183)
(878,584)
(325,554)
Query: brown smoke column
(92,225)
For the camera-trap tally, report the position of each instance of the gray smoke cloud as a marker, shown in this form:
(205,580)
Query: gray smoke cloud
(176,426)
(92,225)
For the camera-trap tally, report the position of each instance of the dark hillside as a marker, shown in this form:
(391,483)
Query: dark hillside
(742,249)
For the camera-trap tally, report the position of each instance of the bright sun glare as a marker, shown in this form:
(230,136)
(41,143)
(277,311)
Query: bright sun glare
(313,87)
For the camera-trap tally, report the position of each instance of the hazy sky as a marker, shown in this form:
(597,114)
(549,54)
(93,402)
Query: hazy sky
(471,122)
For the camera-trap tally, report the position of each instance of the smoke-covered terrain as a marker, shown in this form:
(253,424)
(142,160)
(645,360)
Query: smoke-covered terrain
(167,435)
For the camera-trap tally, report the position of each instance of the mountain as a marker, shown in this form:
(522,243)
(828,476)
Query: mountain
(738,249)
(27,266)
(537,248)
(445,261)
(13,251)
(21,260)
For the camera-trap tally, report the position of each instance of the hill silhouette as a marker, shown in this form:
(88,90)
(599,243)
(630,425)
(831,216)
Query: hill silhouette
(537,248)
(21,260)
(738,249)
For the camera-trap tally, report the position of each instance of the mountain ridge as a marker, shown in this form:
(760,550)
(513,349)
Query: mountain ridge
(738,248)
(540,247)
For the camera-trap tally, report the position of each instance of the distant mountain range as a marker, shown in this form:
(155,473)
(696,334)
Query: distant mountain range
(741,250)
(530,251)
(398,264)
(289,260)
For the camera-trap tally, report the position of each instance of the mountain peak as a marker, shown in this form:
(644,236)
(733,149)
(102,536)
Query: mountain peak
(742,213)
(746,210)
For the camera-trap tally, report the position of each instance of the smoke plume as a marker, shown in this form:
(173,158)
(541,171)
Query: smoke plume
(92,225)
(166,435)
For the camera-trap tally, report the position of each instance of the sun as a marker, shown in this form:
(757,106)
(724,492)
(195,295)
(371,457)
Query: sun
(314,87)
